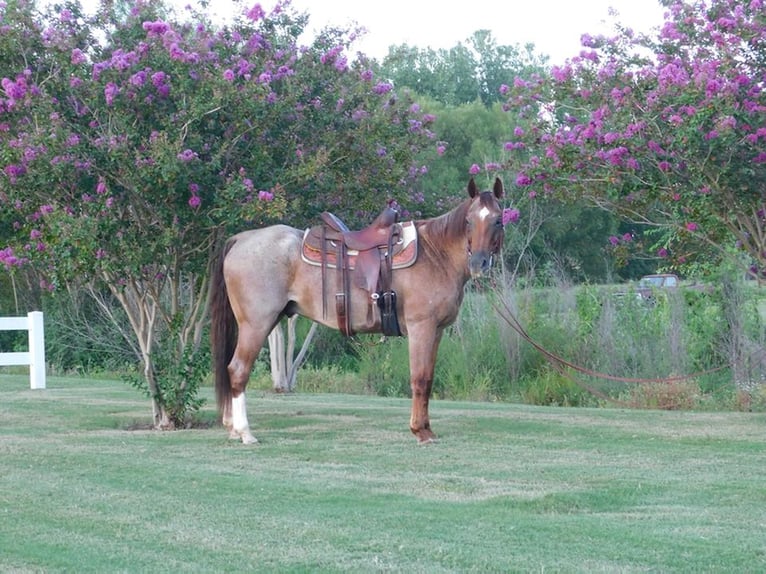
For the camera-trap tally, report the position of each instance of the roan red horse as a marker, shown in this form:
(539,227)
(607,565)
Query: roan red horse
(263,275)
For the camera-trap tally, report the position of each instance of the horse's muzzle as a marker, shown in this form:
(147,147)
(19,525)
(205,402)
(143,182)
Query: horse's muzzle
(479,264)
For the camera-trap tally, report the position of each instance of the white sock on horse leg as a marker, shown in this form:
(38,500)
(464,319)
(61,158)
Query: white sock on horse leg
(239,418)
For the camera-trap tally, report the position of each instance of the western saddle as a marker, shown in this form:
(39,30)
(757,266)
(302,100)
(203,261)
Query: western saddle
(363,258)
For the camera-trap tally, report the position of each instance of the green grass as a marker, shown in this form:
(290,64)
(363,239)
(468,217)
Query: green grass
(339,484)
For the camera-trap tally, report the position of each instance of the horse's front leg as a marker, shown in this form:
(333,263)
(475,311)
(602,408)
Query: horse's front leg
(423,345)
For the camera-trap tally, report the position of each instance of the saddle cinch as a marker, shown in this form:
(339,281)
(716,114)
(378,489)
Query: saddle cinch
(363,259)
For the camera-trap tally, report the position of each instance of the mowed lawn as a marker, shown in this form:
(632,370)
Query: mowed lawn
(338,484)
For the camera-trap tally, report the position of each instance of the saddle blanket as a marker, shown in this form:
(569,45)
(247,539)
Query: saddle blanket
(403,257)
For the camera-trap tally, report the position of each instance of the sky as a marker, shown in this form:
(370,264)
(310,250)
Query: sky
(553,26)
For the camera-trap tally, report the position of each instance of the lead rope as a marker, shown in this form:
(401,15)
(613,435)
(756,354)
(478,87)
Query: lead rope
(564,366)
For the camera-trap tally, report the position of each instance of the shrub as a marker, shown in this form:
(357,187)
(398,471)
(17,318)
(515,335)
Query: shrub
(671,396)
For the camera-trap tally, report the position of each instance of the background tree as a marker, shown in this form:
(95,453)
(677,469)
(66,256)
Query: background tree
(125,162)
(466,73)
(666,131)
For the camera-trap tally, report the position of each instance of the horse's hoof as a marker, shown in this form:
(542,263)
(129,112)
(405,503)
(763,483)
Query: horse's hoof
(425,436)
(247,438)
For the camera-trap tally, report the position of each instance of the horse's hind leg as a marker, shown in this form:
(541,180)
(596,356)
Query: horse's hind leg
(249,344)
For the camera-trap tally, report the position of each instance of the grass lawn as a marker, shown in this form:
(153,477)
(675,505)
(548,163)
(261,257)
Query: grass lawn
(338,484)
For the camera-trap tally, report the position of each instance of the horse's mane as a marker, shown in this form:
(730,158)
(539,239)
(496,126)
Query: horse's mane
(448,226)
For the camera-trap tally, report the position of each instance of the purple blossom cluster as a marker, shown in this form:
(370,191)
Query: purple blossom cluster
(633,119)
(167,127)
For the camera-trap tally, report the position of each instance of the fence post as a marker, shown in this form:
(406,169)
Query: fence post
(36,350)
(35,356)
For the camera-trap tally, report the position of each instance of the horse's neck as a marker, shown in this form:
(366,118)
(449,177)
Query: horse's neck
(444,237)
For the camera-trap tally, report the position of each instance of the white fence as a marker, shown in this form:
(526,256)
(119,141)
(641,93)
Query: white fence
(35,357)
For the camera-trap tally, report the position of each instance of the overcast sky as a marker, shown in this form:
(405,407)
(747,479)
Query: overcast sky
(554,26)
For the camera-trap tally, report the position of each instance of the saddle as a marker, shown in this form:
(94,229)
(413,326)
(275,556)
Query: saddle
(363,259)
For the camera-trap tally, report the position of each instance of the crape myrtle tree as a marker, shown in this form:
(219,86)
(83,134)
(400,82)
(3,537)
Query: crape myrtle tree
(134,141)
(668,129)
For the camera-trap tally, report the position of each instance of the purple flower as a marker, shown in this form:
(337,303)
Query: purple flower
(614,240)
(110,91)
(341,64)
(523,179)
(691,226)
(158,79)
(228,75)
(14,171)
(157,28)
(77,57)
(662,252)
(382,88)
(255,13)
(187,155)
(510,215)
(474,169)
(265,195)
(194,201)
(138,79)
(15,90)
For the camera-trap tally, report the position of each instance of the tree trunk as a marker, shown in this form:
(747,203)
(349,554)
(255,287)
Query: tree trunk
(284,367)
(278,362)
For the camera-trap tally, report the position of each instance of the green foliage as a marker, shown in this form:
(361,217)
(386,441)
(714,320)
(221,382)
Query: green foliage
(471,363)
(464,74)
(81,335)
(384,365)
(552,388)
(178,376)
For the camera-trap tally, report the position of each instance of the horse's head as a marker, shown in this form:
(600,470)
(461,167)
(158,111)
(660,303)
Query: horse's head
(484,227)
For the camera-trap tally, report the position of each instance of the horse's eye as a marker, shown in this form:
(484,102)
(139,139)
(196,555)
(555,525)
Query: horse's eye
(499,222)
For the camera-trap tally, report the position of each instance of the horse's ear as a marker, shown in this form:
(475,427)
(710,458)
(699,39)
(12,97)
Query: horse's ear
(498,188)
(472,189)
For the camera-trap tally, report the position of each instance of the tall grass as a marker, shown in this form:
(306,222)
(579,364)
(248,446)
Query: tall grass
(710,342)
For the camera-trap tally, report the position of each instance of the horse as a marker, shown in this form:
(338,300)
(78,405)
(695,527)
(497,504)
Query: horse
(259,277)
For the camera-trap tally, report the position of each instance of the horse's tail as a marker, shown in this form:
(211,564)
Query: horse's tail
(223,332)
